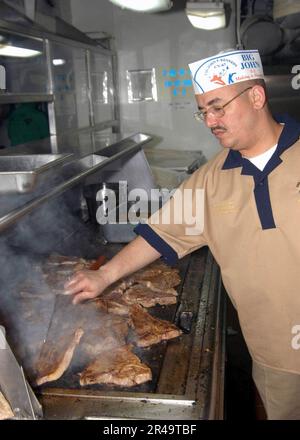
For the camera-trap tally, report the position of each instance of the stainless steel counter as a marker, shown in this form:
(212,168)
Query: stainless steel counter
(80,143)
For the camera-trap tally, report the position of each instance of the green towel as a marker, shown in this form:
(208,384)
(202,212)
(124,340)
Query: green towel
(27,123)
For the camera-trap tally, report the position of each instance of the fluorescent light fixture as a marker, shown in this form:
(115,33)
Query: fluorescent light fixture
(144,5)
(206,15)
(20,52)
(2,78)
(58,62)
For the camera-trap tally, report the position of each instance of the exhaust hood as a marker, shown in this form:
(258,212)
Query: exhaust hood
(53,25)
(272,27)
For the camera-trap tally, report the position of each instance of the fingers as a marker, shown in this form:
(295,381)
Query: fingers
(75,284)
(76,278)
(75,287)
(83,296)
(82,286)
(85,285)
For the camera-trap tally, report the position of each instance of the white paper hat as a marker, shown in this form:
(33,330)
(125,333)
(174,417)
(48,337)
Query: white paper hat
(225,69)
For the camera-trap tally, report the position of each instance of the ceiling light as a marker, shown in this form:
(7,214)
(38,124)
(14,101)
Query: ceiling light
(206,15)
(58,62)
(2,78)
(145,5)
(14,51)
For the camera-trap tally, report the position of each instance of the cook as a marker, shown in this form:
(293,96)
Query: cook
(251,212)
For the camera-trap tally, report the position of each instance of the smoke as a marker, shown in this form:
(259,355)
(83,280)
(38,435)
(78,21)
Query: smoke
(26,301)
(29,309)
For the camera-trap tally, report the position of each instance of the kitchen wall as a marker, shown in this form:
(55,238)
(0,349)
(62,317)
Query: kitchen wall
(165,42)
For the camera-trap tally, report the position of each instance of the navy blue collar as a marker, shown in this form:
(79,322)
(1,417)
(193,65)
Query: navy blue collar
(289,135)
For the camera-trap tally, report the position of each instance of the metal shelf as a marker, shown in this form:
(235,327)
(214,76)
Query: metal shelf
(17,98)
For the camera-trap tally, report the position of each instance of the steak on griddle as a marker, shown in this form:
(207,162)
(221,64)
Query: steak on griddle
(112,301)
(117,367)
(140,294)
(150,330)
(158,277)
(65,261)
(148,287)
(56,357)
(58,268)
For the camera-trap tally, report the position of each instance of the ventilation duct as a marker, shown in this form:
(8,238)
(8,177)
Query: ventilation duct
(272,27)
(261,33)
(286,8)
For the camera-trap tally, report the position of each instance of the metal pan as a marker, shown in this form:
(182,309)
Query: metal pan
(22,173)
(21,398)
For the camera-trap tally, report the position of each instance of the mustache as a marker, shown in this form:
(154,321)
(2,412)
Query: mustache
(217,127)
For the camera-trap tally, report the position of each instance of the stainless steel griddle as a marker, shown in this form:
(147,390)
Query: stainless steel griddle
(187,371)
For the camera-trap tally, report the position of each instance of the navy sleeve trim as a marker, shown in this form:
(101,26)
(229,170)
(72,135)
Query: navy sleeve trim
(168,253)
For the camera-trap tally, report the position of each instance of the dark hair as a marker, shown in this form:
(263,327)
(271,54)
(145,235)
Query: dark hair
(255,82)
(260,82)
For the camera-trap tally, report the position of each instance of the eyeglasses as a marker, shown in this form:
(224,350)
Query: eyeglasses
(216,111)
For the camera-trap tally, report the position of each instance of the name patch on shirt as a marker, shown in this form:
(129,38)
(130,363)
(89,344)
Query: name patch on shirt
(225,207)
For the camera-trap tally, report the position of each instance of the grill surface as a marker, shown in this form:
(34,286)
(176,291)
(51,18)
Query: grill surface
(174,363)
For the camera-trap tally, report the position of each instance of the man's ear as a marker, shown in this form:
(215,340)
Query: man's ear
(258,97)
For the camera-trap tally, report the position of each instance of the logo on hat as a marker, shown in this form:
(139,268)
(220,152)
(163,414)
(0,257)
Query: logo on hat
(225,69)
(218,80)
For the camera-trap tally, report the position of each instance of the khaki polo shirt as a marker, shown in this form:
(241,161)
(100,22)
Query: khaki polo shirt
(252,227)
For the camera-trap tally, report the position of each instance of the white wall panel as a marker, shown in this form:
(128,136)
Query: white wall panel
(162,41)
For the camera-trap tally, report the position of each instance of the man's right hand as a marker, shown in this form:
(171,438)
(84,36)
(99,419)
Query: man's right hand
(87,284)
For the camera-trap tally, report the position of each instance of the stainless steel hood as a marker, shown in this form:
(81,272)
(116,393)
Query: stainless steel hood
(11,15)
(12,18)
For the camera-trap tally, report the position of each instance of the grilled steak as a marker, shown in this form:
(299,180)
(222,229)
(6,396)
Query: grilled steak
(56,357)
(148,287)
(158,277)
(115,306)
(150,330)
(162,284)
(112,301)
(58,268)
(119,303)
(117,367)
(163,281)
(65,261)
(154,269)
(140,294)
(101,325)
(5,409)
